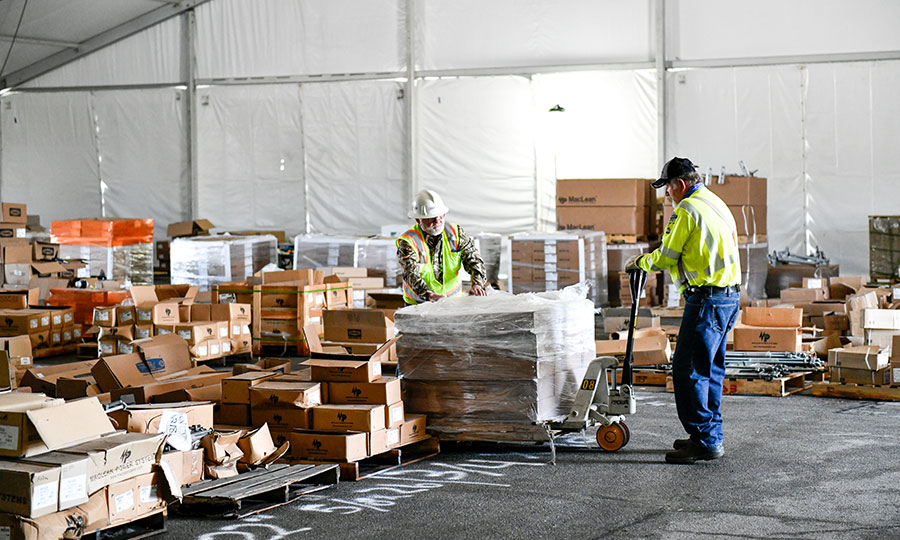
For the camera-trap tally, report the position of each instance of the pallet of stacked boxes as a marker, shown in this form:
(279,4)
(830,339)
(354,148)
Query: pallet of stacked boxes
(489,369)
(548,262)
(616,257)
(120,249)
(206,261)
(623,208)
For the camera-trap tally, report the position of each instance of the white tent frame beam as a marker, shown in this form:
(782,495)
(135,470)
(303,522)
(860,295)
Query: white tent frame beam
(40,41)
(97,42)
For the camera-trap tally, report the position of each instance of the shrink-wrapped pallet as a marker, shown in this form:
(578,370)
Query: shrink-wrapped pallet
(205,261)
(490,368)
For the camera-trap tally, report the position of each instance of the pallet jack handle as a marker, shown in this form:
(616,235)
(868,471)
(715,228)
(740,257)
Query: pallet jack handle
(636,280)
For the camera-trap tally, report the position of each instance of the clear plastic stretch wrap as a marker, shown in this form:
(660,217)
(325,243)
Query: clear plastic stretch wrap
(489,368)
(316,251)
(131,264)
(551,261)
(211,260)
(379,255)
(489,246)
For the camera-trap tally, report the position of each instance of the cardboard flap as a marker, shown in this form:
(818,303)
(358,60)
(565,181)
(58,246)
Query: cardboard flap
(71,423)
(144,295)
(311,333)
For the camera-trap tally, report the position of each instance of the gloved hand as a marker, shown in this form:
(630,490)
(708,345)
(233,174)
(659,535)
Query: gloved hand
(632,263)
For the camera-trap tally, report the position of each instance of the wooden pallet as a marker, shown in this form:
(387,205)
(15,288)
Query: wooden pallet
(59,350)
(777,387)
(256,491)
(856,391)
(398,457)
(143,527)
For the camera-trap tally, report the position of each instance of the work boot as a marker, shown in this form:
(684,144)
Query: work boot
(694,452)
(680,443)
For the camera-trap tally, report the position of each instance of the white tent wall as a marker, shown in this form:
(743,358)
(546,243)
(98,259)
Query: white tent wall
(49,154)
(718,117)
(250,157)
(507,33)
(152,56)
(267,38)
(476,148)
(853,133)
(143,158)
(354,135)
(717,29)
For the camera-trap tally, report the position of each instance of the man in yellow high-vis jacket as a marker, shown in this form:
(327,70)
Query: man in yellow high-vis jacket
(699,248)
(433,251)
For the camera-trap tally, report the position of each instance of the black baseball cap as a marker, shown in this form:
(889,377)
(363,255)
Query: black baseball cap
(674,168)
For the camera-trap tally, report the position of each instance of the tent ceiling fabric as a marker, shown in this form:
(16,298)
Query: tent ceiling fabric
(72,21)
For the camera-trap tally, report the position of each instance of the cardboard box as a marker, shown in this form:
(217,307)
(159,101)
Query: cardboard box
(802,295)
(343,370)
(15,253)
(393,415)
(412,429)
(12,230)
(221,447)
(236,389)
(357,325)
(165,355)
(18,322)
(647,351)
(233,414)
(329,446)
(740,190)
(73,471)
(143,331)
(197,227)
(283,418)
(15,213)
(121,371)
(231,312)
(616,319)
(610,219)
(258,447)
(18,298)
(864,357)
(603,192)
(44,251)
(104,316)
(187,466)
(279,366)
(349,417)
(281,393)
(93,515)
(772,317)
(198,332)
(880,377)
(149,418)
(210,392)
(882,319)
(382,391)
(118,456)
(193,378)
(766,338)
(29,489)
(33,425)
(125,315)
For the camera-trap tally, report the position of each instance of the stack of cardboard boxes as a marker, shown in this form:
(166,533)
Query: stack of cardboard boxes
(618,207)
(65,463)
(769,329)
(358,279)
(549,262)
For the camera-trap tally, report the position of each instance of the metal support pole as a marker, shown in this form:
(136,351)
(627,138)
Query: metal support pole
(411,115)
(661,82)
(188,63)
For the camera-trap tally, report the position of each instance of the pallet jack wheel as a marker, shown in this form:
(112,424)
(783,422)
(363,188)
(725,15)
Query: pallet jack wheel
(612,437)
(627,433)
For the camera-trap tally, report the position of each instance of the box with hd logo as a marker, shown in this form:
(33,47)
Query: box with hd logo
(329,446)
(236,389)
(282,418)
(412,429)
(275,393)
(769,329)
(382,391)
(349,417)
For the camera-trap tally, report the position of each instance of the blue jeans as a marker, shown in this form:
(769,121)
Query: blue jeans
(698,365)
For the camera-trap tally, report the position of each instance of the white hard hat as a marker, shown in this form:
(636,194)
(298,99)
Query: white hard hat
(427,205)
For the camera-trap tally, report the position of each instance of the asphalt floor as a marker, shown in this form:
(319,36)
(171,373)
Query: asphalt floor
(797,467)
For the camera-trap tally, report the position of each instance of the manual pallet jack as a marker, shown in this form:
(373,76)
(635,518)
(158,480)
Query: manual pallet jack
(600,400)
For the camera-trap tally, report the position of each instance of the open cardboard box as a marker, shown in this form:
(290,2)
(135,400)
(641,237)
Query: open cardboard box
(318,350)
(651,347)
(38,424)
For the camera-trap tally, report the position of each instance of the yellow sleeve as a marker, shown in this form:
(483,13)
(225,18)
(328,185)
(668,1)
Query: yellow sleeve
(678,230)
